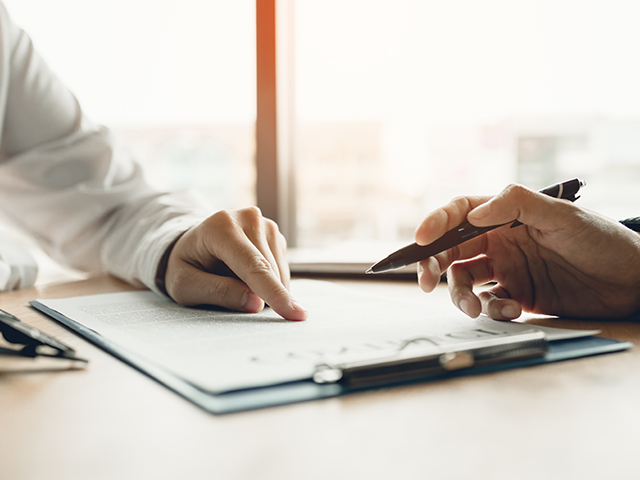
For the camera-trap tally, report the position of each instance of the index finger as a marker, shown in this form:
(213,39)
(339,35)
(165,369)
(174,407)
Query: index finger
(251,266)
(531,208)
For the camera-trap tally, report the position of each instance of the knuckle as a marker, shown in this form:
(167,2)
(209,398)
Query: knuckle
(271,227)
(442,260)
(273,231)
(221,219)
(516,191)
(454,271)
(458,207)
(460,203)
(282,240)
(461,276)
(253,213)
(258,266)
(250,219)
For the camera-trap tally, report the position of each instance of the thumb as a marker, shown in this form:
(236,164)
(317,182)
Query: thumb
(531,208)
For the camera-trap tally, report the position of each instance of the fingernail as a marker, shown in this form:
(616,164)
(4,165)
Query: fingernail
(480,212)
(301,313)
(509,311)
(464,305)
(420,271)
(296,306)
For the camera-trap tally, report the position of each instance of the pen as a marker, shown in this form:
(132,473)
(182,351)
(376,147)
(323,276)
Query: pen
(465,231)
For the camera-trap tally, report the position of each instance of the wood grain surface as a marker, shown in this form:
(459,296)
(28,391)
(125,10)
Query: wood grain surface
(576,419)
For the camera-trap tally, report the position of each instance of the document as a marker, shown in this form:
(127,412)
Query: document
(221,351)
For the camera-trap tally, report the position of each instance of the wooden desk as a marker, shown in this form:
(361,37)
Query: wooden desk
(577,419)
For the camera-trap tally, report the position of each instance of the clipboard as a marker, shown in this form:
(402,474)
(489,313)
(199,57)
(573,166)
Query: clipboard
(25,348)
(525,349)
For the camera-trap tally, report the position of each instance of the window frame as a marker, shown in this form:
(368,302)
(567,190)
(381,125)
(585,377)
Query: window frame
(275,114)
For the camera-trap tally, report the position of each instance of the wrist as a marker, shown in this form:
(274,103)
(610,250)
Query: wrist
(161,270)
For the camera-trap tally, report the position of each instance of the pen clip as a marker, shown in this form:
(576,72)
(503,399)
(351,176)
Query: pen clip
(403,366)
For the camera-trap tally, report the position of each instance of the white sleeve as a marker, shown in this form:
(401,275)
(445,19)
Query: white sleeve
(18,268)
(73,186)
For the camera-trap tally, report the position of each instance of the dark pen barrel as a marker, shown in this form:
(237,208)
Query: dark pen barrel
(414,253)
(465,231)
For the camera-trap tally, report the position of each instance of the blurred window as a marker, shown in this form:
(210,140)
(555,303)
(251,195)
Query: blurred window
(403,104)
(400,105)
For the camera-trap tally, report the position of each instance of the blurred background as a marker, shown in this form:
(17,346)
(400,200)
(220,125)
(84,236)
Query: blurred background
(400,105)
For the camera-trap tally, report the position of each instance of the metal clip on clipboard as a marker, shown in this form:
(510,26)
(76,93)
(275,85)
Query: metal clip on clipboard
(405,366)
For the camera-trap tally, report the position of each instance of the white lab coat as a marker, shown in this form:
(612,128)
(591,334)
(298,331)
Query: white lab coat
(73,186)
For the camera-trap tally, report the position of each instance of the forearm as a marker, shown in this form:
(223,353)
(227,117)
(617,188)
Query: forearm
(73,186)
(85,201)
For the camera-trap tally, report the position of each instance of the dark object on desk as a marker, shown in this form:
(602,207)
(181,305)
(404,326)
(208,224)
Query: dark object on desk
(632,223)
(347,271)
(404,367)
(36,350)
(465,231)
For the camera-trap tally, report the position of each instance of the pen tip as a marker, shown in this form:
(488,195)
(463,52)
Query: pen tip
(369,270)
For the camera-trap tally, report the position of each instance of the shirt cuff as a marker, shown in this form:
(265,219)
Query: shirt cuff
(154,248)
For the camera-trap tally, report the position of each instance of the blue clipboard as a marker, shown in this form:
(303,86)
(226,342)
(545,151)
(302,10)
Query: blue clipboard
(305,390)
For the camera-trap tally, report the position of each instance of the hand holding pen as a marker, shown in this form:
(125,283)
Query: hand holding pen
(464,232)
(564,260)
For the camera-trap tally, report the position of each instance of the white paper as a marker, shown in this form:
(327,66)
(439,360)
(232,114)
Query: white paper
(220,350)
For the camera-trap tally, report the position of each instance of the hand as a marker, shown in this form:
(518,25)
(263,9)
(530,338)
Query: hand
(234,259)
(563,261)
